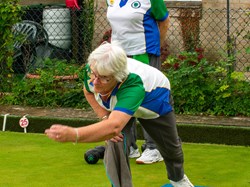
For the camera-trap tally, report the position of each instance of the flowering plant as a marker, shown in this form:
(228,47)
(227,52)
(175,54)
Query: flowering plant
(184,59)
(202,87)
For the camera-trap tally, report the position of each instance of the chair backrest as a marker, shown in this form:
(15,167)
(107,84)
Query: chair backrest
(26,31)
(30,46)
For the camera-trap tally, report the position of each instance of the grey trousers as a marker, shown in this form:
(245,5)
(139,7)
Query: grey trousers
(148,140)
(163,130)
(154,61)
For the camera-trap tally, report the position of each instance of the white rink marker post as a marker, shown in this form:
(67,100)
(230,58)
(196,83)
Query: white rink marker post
(24,122)
(4,121)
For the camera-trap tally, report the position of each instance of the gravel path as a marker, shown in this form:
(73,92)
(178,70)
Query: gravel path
(80,113)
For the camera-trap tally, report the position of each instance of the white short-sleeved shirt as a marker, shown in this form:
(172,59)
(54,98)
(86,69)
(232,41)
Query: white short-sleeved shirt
(134,24)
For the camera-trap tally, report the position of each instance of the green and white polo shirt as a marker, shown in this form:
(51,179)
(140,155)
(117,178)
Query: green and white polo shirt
(144,94)
(134,24)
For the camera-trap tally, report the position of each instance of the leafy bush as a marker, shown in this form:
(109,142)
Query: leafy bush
(48,88)
(10,13)
(200,87)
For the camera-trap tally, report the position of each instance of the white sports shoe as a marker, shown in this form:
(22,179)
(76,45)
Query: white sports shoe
(149,156)
(134,153)
(182,183)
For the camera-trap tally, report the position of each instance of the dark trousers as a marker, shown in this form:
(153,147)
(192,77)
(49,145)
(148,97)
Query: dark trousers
(149,142)
(154,61)
(163,131)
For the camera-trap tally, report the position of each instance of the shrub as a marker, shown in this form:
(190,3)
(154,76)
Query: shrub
(10,13)
(48,88)
(200,87)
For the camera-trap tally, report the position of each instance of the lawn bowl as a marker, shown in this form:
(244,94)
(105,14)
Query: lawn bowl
(100,150)
(91,156)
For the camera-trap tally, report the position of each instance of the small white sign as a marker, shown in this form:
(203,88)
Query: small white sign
(24,122)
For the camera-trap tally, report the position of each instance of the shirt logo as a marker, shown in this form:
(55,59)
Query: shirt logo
(112,2)
(136,5)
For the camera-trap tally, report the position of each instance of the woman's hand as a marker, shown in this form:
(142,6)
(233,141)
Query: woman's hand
(61,133)
(118,138)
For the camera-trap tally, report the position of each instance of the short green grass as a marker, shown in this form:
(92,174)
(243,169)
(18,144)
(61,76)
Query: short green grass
(34,160)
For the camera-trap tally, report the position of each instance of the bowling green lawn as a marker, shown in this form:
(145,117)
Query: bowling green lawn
(28,159)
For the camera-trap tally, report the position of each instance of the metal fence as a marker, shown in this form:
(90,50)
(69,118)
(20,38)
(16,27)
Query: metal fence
(72,34)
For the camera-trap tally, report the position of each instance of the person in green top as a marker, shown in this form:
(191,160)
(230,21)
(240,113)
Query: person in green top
(119,88)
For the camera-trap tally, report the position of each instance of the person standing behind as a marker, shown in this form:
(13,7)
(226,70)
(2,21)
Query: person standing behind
(141,28)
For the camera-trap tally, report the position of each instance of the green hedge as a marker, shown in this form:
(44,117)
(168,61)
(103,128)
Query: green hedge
(39,124)
(196,133)
(214,134)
